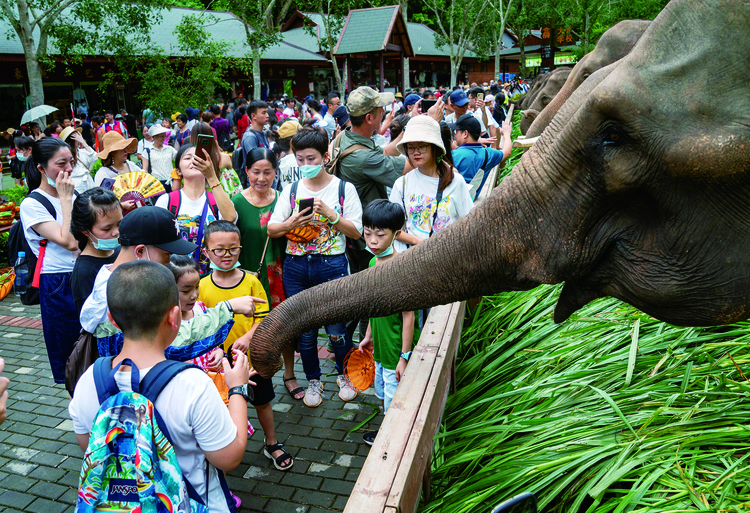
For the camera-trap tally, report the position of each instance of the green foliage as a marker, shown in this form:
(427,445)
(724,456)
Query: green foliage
(15,194)
(170,85)
(608,412)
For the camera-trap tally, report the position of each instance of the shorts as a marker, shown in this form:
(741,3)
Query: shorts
(385,385)
(262,391)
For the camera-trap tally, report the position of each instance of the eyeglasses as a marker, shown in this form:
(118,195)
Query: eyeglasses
(220,252)
(418,149)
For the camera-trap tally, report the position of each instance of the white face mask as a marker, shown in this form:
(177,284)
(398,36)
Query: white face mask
(148,257)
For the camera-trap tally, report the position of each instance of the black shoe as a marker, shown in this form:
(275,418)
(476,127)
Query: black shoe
(369,437)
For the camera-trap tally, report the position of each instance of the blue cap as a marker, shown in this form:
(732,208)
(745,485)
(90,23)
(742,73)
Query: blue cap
(411,99)
(459,98)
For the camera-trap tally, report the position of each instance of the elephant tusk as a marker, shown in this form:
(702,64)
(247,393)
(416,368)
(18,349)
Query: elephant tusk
(525,142)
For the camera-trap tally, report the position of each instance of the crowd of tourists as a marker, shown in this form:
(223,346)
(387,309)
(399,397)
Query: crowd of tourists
(287,195)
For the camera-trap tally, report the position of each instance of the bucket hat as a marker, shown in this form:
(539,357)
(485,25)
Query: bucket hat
(422,129)
(156,130)
(114,141)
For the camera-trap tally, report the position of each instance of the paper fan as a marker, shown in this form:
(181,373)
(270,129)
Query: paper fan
(136,185)
(359,369)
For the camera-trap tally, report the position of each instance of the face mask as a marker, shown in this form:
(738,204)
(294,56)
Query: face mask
(148,257)
(106,244)
(50,181)
(217,268)
(310,172)
(387,252)
(21,157)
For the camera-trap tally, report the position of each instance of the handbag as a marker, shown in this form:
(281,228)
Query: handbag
(85,353)
(262,260)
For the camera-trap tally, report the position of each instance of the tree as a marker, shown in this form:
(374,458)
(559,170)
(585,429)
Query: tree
(169,84)
(525,16)
(489,40)
(332,15)
(66,22)
(456,24)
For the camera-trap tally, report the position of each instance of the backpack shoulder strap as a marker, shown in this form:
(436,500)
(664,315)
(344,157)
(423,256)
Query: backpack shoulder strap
(293,194)
(212,204)
(45,202)
(486,157)
(160,375)
(102,368)
(342,194)
(174,202)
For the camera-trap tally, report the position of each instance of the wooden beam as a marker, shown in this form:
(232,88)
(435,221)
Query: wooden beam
(382,73)
(393,48)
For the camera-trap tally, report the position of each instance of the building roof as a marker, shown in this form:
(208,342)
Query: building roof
(223,26)
(374,30)
(423,40)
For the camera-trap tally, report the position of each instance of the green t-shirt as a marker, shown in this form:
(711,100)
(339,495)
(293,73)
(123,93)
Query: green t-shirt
(386,336)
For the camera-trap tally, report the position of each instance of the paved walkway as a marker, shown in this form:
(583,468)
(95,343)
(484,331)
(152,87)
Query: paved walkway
(40,460)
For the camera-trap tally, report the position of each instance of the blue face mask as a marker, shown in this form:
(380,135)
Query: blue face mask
(217,268)
(310,172)
(387,252)
(105,244)
(21,157)
(50,181)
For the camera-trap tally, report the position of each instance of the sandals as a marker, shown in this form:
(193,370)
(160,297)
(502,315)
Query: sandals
(268,450)
(295,391)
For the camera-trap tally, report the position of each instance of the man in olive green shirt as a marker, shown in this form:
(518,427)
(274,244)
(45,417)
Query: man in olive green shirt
(373,169)
(370,170)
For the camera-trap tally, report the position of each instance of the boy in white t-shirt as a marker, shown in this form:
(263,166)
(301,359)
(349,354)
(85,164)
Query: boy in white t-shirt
(315,249)
(144,303)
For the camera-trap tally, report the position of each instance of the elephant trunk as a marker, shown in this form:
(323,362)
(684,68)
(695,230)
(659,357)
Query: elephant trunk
(529,115)
(450,266)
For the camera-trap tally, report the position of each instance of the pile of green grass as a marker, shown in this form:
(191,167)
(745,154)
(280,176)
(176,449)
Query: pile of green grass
(611,411)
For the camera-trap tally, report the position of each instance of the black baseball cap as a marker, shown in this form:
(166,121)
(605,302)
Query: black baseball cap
(154,226)
(465,122)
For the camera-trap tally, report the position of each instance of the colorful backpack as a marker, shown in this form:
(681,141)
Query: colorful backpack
(130,464)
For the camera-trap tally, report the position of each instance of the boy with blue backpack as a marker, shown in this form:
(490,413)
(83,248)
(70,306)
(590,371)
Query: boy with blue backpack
(156,433)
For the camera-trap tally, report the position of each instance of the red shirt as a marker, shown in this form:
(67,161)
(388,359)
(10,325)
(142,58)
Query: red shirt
(242,125)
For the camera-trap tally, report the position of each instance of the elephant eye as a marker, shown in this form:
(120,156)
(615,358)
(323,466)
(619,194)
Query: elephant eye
(612,136)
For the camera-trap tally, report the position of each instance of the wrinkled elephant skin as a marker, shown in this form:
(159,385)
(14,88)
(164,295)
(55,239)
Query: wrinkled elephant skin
(546,94)
(642,194)
(614,44)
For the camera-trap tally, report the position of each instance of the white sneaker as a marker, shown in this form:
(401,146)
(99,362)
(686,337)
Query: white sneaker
(346,392)
(314,393)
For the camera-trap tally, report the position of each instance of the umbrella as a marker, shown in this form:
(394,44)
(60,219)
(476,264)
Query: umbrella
(37,112)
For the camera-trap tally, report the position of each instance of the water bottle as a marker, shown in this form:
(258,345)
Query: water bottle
(22,274)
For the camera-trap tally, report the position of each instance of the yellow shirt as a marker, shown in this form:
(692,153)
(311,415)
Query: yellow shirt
(211,295)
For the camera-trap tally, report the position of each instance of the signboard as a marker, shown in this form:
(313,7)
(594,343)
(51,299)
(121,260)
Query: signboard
(547,50)
(561,59)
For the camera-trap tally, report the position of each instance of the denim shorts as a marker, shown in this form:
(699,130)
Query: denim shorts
(385,385)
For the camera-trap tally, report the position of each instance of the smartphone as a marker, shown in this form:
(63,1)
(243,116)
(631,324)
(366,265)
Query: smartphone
(427,105)
(480,96)
(305,204)
(204,142)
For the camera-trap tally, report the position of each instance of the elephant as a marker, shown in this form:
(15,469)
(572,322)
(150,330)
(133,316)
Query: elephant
(614,44)
(554,83)
(536,84)
(638,189)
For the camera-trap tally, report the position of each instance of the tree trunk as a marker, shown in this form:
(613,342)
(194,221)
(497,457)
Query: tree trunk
(498,48)
(405,71)
(522,59)
(256,74)
(586,30)
(455,65)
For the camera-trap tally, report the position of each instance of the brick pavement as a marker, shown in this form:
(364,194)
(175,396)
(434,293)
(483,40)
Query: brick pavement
(40,459)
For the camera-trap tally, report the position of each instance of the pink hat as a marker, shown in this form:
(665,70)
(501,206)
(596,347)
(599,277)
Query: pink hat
(437,94)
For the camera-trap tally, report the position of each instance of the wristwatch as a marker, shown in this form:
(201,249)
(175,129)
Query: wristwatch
(243,390)
(406,356)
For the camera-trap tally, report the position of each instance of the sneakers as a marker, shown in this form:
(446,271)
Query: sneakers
(369,437)
(346,392)
(314,393)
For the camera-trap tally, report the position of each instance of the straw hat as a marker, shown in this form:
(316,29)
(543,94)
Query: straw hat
(9,131)
(422,129)
(69,130)
(114,141)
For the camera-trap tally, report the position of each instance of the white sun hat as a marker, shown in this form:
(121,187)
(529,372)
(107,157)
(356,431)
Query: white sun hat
(422,129)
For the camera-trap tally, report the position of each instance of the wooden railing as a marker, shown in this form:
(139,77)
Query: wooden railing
(397,468)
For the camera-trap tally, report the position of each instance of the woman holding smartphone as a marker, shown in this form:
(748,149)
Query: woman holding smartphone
(221,162)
